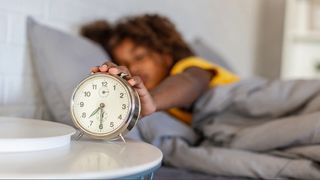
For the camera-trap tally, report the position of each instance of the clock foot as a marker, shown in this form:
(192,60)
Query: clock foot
(77,136)
(122,138)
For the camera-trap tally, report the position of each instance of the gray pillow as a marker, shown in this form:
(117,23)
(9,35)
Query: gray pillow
(60,62)
(201,49)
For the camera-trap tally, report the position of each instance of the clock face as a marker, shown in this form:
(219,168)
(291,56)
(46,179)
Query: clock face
(101,104)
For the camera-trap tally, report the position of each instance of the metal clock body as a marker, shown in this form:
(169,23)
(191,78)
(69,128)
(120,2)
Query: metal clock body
(105,106)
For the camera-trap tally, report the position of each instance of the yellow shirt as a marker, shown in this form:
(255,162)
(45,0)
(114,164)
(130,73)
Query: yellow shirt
(221,77)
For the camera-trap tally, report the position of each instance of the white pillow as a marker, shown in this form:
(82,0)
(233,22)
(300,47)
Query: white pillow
(60,62)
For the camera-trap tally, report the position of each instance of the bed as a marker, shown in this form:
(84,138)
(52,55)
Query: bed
(252,129)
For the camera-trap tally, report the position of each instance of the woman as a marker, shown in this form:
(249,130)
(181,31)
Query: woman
(161,66)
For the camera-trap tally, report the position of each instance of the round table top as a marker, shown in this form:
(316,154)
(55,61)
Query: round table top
(82,159)
(21,135)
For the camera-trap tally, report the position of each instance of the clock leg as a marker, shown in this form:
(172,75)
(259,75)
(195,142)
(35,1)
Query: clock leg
(78,135)
(122,138)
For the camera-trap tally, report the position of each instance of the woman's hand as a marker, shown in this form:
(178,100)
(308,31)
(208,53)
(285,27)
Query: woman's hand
(148,105)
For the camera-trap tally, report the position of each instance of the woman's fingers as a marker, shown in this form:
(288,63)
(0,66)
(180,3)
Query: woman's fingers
(95,69)
(103,68)
(119,69)
(106,66)
(109,67)
(136,82)
(148,105)
(109,63)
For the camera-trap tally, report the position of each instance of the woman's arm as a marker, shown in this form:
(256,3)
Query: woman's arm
(179,90)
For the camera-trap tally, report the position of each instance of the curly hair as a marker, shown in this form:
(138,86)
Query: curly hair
(152,31)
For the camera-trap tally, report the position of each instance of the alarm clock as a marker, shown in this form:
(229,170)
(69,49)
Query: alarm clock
(105,106)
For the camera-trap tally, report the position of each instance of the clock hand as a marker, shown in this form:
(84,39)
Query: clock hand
(102,113)
(95,111)
(101,116)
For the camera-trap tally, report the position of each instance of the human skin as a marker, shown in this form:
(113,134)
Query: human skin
(149,75)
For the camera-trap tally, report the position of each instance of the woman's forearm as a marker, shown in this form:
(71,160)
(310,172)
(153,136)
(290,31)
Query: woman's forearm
(181,90)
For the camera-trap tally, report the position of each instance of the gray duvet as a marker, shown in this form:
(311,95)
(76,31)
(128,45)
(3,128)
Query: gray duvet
(255,128)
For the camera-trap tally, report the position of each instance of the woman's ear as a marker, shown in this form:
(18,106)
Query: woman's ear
(168,60)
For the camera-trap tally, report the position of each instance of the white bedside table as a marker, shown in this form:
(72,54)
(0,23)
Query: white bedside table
(84,159)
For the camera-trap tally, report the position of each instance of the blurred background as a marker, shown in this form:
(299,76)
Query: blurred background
(247,33)
(268,38)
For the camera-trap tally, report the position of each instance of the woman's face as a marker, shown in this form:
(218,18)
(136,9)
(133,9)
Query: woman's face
(152,67)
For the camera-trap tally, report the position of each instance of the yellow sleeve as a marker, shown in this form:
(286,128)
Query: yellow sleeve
(222,77)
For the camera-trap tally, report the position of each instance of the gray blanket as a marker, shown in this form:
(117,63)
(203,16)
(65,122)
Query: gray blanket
(255,128)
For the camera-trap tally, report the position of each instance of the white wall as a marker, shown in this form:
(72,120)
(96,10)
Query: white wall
(270,38)
(234,28)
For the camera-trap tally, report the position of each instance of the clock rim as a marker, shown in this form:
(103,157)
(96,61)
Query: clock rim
(129,122)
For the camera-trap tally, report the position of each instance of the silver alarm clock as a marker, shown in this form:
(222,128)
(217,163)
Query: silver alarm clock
(105,106)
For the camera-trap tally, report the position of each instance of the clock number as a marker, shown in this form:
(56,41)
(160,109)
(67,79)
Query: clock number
(114,87)
(111,124)
(91,123)
(94,86)
(120,117)
(81,104)
(121,95)
(104,83)
(100,126)
(83,115)
(124,106)
(87,94)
